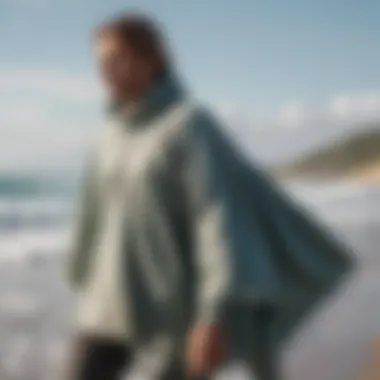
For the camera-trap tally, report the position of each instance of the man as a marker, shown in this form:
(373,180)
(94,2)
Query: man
(182,246)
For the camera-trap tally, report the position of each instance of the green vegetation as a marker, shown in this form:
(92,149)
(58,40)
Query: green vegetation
(344,157)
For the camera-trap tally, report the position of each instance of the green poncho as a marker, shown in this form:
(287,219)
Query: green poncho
(206,237)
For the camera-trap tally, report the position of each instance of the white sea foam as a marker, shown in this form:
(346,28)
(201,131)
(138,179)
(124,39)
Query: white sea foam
(35,304)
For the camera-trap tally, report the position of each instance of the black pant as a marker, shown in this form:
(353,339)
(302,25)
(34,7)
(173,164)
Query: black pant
(98,359)
(101,359)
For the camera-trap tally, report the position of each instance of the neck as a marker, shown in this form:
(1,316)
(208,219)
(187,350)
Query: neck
(157,96)
(135,96)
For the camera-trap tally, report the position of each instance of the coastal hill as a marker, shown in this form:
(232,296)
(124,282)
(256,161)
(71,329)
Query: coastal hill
(357,156)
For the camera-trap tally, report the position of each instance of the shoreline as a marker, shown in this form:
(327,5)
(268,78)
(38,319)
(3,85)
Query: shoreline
(370,176)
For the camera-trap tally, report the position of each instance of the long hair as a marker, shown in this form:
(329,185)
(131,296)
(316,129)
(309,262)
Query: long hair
(143,36)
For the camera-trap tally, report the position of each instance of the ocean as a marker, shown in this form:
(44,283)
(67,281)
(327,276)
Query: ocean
(36,305)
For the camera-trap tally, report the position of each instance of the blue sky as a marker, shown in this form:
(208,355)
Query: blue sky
(281,73)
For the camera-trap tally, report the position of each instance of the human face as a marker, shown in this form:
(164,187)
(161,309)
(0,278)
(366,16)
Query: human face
(126,76)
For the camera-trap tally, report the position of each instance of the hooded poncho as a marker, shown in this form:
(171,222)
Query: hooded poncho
(194,234)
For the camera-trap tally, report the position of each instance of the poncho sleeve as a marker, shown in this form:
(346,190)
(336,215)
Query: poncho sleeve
(226,239)
(256,248)
(210,198)
(84,224)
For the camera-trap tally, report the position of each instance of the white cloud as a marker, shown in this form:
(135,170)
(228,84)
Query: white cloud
(62,85)
(339,110)
(19,114)
(36,109)
(342,110)
(43,144)
(359,108)
(293,115)
(237,118)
